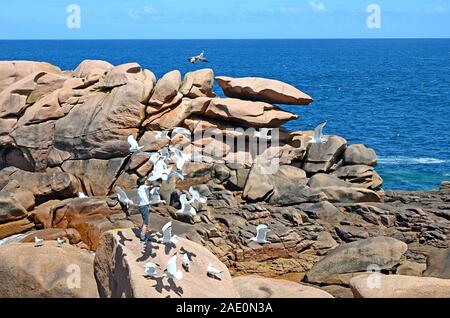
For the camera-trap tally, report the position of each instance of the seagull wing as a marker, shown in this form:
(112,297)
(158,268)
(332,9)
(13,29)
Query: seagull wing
(172,268)
(133,143)
(261,232)
(121,195)
(318,134)
(167,232)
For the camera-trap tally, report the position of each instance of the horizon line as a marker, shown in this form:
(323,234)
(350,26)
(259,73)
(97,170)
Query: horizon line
(228,39)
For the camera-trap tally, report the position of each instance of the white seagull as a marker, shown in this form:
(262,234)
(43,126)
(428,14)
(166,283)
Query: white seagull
(150,269)
(172,271)
(261,234)
(196,196)
(176,173)
(214,272)
(167,235)
(181,131)
(162,134)
(160,171)
(186,262)
(134,146)
(154,157)
(155,196)
(319,138)
(186,207)
(38,242)
(123,198)
(82,195)
(61,241)
(200,57)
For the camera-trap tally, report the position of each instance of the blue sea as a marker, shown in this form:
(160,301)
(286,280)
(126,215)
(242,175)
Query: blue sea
(392,95)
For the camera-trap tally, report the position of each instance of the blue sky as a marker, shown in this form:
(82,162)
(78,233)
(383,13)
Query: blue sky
(187,19)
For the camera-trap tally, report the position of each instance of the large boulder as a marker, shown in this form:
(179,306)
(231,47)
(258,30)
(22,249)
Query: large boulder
(198,84)
(48,271)
(96,175)
(260,287)
(119,267)
(72,235)
(14,71)
(99,124)
(321,157)
(281,185)
(438,264)
(348,260)
(92,69)
(166,89)
(360,175)
(399,286)
(248,113)
(11,209)
(360,155)
(44,185)
(263,89)
(15,227)
(338,190)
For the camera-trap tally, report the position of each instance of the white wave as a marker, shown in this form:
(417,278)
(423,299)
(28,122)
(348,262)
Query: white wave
(401,160)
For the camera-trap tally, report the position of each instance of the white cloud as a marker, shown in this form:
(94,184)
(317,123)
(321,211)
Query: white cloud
(317,6)
(141,12)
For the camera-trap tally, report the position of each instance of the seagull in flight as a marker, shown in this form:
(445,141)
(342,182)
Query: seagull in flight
(172,271)
(200,57)
(134,146)
(261,234)
(160,171)
(213,272)
(123,198)
(167,235)
(186,207)
(38,242)
(319,138)
(196,196)
(150,269)
(155,196)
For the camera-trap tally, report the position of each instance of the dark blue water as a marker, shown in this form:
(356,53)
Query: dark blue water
(392,95)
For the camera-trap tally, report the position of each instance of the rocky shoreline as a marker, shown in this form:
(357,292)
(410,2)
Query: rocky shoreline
(334,230)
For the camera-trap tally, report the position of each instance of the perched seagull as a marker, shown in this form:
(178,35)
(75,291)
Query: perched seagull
(172,271)
(155,196)
(160,171)
(196,196)
(214,272)
(186,262)
(319,138)
(186,207)
(197,58)
(162,134)
(165,153)
(150,270)
(38,242)
(180,158)
(82,195)
(123,198)
(167,235)
(134,146)
(61,241)
(261,233)
(181,131)
(263,133)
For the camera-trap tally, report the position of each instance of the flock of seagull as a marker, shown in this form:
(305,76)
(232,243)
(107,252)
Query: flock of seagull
(162,172)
